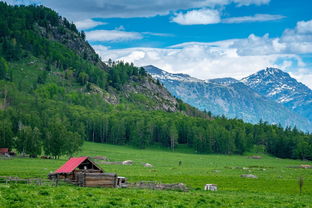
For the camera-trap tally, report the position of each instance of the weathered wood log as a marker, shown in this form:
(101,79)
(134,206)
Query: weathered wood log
(99,182)
(99,179)
(101,174)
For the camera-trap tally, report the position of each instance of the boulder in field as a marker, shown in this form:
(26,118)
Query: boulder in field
(127,162)
(248,176)
(148,165)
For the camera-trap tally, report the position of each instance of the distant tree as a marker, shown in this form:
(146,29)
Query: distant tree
(42,77)
(54,138)
(69,74)
(73,143)
(173,135)
(29,141)
(83,35)
(83,78)
(6,133)
(59,141)
(4,69)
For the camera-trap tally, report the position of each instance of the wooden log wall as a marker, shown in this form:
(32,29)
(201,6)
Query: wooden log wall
(97,179)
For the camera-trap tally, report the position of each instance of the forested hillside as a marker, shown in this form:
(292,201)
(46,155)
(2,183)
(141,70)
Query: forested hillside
(55,93)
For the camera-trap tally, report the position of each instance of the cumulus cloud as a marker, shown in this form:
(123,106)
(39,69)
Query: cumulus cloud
(88,24)
(203,61)
(87,9)
(198,17)
(112,35)
(207,60)
(304,27)
(235,58)
(304,75)
(210,16)
(254,45)
(299,39)
(292,41)
(255,18)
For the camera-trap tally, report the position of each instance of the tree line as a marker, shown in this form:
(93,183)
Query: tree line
(37,125)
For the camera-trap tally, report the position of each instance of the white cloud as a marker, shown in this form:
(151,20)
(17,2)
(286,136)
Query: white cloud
(86,9)
(235,58)
(119,35)
(255,18)
(198,17)
(304,75)
(299,39)
(254,45)
(199,60)
(250,2)
(211,16)
(112,35)
(292,41)
(304,27)
(158,34)
(88,24)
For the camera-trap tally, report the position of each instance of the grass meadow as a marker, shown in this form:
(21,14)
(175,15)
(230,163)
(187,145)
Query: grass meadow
(276,185)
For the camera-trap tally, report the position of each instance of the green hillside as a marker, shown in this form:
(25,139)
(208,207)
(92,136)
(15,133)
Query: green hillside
(276,185)
(55,93)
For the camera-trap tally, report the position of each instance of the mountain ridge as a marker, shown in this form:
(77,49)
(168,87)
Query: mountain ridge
(229,97)
(280,87)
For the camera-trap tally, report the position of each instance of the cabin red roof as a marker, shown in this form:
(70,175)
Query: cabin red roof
(71,165)
(4,150)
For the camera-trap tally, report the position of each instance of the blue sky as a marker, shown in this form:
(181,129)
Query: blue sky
(177,33)
(204,38)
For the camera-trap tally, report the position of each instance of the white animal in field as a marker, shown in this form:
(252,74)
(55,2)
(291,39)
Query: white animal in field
(210,187)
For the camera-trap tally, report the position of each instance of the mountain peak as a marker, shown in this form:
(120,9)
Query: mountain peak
(279,86)
(153,69)
(271,72)
(161,74)
(269,75)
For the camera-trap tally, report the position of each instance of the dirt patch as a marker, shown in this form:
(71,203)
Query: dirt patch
(301,166)
(100,158)
(158,186)
(257,157)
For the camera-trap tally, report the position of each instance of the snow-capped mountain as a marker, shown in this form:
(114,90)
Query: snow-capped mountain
(229,97)
(281,87)
(162,75)
(223,81)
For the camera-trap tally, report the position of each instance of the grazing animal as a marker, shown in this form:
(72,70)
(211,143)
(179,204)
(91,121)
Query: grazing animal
(45,157)
(210,187)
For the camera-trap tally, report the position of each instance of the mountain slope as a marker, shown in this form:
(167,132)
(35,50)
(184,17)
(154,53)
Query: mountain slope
(281,87)
(55,50)
(227,97)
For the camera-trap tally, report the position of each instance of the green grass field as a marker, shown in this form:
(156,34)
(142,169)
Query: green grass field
(276,185)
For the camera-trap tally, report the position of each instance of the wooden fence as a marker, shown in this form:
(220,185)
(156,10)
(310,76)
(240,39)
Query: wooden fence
(33,181)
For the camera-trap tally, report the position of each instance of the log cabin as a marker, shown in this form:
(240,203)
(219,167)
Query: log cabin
(84,172)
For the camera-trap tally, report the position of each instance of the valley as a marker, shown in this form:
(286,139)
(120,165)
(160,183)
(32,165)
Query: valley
(276,185)
(60,99)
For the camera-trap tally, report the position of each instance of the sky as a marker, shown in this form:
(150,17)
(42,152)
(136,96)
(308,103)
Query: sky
(203,38)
